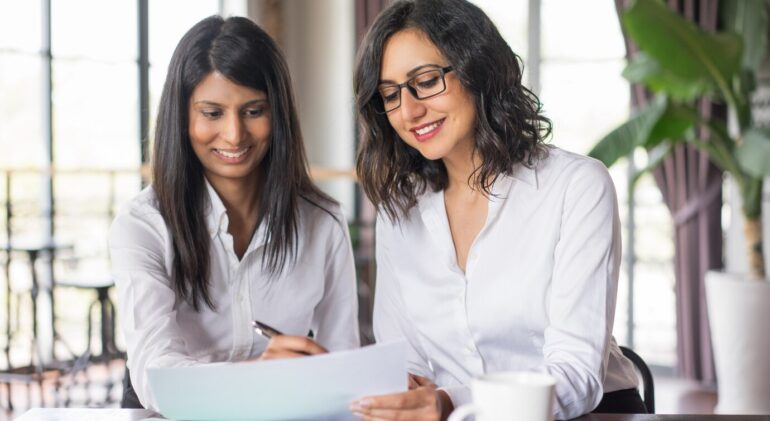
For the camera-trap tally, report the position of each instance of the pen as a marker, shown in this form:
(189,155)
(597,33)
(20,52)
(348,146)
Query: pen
(268,332)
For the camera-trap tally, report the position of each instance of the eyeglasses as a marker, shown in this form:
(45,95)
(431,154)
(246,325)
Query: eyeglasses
(422,86)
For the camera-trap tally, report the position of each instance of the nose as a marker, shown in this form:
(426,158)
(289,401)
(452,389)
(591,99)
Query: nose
(232,130)
(411,107)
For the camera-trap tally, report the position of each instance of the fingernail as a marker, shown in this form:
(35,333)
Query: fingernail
(364,403)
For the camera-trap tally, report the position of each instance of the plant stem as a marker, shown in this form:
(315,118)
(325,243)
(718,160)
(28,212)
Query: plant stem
(752,229)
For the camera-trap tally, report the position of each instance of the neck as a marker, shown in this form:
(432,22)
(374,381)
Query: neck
(459,167)
(239,196)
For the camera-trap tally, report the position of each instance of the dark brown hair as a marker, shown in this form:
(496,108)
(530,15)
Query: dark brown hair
(509,129)
(241,51)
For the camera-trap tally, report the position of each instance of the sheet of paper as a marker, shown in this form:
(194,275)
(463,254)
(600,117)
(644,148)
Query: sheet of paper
(301,388)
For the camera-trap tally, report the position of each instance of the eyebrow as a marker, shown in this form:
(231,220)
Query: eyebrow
(216,104)
(413,72)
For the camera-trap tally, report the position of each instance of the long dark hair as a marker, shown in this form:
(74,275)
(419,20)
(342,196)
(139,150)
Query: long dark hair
(241,51)
(510,128)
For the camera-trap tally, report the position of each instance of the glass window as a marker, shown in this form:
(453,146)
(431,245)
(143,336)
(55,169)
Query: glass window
(109,34)
(21,128)
(95,115)
(20,25)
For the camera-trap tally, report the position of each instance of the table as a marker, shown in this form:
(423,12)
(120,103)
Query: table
(41,364)
(87,414)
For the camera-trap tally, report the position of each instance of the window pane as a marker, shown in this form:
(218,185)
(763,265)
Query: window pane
(585,100)
(109,34)
(95,115)
(20,25)
(586,29)
(21,128)
(511,18)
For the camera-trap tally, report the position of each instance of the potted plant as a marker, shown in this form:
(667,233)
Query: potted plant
(680,63)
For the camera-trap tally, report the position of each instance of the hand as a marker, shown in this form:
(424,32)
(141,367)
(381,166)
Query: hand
(285,346)
(416,381)
(423,403)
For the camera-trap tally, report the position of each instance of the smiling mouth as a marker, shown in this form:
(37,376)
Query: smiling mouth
(232,155)
(427,131)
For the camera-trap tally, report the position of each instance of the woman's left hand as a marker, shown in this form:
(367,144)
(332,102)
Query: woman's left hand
(422,403)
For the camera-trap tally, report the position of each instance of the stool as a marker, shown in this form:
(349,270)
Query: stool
(109,349)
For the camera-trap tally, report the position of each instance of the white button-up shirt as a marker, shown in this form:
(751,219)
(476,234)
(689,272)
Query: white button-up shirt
(538,292)
(318,292)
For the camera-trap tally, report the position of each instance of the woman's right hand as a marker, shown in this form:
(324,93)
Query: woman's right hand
(285,346)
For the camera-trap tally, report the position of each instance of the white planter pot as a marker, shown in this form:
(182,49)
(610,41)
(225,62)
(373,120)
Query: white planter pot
(739,315)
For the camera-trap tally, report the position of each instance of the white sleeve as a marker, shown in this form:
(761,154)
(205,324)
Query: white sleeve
(336,316)
(146,298)
(581,305)
(391,321)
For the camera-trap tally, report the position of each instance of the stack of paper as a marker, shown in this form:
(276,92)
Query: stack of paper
(301,388)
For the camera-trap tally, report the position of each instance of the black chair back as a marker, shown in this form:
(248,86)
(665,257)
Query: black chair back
(647,382)
(129,400)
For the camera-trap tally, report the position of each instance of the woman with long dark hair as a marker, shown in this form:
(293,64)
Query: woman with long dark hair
(494,251)
(232,229)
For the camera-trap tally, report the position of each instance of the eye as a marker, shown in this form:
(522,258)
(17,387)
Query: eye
(211,114)
(389,94)
(426,80)
(254,112)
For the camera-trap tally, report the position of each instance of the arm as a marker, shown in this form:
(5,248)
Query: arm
(423,401)
(336,316)
(581,305)
(146,299)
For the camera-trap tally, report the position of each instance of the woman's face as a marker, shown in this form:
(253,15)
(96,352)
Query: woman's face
(441,126)
(229,128)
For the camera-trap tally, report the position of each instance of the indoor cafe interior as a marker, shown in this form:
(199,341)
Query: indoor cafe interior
(80,84)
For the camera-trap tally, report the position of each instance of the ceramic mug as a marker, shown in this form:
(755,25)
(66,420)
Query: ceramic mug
(510,395)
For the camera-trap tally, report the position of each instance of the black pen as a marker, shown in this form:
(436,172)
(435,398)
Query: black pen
(268,332)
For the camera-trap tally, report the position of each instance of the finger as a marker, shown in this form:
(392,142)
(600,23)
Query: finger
(298,344)
(405,400)
(420,414)
(412,382)
(281,354)
(422,381)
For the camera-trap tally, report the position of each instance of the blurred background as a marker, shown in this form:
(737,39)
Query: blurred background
(80,82)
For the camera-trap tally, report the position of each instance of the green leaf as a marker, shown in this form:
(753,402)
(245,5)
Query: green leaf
(647,71)
(753,152)
(629,135)
(672,125)
(681,47)
(749,19)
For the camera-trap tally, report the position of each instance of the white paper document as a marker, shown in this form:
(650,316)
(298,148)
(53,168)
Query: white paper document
(321,386)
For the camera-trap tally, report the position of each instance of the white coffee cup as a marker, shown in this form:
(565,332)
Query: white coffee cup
(510,395)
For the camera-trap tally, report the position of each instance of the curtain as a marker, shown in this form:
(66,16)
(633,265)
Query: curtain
(691,187)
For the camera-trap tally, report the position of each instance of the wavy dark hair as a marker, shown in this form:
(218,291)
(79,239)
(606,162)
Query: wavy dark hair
(510,128)
(241,51)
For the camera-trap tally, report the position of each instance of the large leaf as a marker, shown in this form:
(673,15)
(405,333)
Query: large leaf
(672,125)
(749,19)
(647,71)
(681,47)
(629,135)
(753,152)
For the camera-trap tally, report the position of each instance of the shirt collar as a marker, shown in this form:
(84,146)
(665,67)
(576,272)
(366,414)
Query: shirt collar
(216,213)
(526,175)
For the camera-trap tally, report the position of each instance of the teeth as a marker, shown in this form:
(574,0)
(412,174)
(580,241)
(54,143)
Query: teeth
(421,131)
(232,154)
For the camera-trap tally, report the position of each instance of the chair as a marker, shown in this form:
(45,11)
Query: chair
(647,381)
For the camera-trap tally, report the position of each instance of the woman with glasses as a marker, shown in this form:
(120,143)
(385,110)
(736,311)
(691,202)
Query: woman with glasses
(494,251)
(232,229)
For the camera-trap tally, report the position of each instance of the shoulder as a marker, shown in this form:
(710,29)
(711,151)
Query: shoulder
(566,168)
(139,218)
(317,214)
